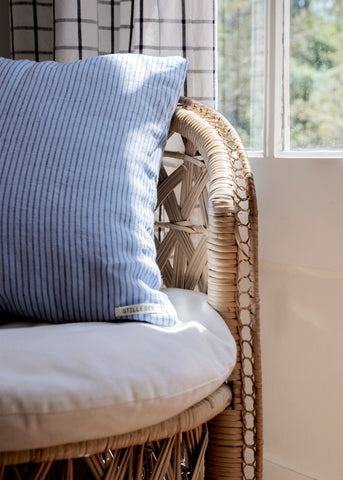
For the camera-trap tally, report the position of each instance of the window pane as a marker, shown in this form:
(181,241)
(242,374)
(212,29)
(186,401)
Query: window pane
(241,67)
(316,72)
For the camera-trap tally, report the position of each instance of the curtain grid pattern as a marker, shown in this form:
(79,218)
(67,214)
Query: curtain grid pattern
(69,30)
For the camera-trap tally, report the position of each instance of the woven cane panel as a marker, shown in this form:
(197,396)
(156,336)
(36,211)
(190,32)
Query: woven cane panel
(235,449)
(180,457)
(182,220)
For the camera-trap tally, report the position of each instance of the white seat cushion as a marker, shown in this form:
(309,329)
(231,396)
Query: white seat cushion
(82,381)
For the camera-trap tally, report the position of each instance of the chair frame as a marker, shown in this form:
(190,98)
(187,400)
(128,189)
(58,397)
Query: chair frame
(206,240)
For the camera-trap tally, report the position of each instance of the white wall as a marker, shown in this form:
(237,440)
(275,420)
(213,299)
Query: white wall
(301,260)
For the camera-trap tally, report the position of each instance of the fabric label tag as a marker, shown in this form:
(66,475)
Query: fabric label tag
(139,308)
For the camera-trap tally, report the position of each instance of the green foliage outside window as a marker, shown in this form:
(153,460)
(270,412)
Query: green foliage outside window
(234,64)
(316,73)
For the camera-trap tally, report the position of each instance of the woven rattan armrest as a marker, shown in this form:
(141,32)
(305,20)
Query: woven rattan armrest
(226,268)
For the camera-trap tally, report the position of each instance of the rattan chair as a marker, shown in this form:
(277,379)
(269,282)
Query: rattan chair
(206,239)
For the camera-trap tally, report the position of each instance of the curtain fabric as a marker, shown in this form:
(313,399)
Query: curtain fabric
(69,30)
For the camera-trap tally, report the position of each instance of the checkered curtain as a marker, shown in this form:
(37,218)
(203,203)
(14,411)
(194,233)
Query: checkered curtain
(68,30)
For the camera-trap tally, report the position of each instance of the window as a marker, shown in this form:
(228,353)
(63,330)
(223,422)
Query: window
(288,102)
(241,66)
(315,74)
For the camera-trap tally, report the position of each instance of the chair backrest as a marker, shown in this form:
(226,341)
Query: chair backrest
(206,239)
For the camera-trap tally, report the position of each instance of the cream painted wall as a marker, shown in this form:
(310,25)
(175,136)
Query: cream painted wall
(301,260)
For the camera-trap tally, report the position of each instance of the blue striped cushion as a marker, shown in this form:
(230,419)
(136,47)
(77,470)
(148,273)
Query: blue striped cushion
(80,152)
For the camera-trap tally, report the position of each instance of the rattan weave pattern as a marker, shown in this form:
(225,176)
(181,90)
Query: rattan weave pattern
(206,239)
(168,450)
(170,458)
(227,222)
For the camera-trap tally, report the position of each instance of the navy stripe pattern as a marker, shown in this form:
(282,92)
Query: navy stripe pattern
(67,31)
(80,151)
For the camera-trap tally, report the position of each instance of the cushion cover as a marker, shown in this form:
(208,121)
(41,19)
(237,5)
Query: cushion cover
(80,152)
(80,381)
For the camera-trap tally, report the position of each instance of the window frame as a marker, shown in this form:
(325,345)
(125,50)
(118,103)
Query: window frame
(276,101)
